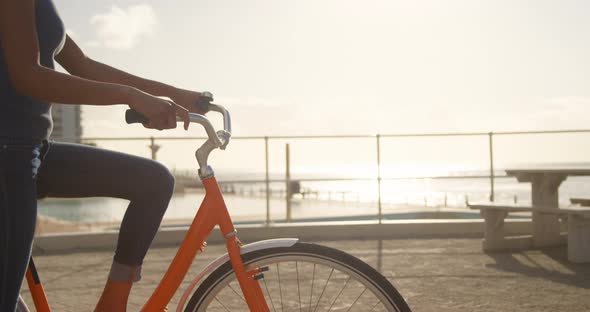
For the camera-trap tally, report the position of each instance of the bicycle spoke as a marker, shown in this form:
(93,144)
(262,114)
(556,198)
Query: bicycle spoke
(376,304)
(221,304)
(312,280)
(322,294)
(340,293)
(357,298)
(237,293)
(298,290)
(269,295)
(280,290)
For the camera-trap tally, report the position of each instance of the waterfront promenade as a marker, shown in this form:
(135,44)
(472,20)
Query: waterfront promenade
(433,274)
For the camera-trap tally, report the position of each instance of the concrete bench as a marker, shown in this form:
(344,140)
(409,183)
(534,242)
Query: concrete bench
(578,224)
(584,202)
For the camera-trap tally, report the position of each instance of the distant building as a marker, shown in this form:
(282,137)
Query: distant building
(67,123)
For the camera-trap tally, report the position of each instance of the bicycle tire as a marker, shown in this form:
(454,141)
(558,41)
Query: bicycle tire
(211,294)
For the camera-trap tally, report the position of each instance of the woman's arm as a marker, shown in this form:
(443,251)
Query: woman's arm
(73,59)
(18,36)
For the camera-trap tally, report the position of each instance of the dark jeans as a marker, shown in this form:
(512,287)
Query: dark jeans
(19,164)
(72,170)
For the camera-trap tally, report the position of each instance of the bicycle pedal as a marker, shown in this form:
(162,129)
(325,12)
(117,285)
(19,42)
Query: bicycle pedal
(263,269)
(258,276)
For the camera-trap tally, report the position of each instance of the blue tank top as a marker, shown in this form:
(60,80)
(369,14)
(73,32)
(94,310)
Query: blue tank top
(21,116)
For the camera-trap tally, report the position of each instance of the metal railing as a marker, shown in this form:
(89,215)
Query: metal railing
(378,138)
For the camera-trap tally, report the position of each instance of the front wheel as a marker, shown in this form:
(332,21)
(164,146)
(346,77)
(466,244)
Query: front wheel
(304,277)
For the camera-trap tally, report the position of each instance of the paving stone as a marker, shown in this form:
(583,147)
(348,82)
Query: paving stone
(432,274)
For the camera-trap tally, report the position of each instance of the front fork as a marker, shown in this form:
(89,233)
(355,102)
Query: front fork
(248,279)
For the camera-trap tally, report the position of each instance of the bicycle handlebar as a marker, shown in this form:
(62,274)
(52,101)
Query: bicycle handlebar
(219,139)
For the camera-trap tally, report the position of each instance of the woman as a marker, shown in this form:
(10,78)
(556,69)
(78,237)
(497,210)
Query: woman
(31,37)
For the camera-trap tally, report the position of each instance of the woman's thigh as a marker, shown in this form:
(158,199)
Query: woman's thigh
(19,164)
(74,170)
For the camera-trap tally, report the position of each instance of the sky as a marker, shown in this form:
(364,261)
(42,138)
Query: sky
(354,67)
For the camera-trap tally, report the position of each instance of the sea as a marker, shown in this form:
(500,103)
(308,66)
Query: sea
(322,199)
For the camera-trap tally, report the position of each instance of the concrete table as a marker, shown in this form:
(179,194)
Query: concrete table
(545,194)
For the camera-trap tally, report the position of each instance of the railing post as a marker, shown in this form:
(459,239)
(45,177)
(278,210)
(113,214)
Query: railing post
(492,191)
(288,183)
(153,147)
(267,180)
(379,204)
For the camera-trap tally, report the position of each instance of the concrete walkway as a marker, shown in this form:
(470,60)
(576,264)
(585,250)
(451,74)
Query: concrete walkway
(433,275)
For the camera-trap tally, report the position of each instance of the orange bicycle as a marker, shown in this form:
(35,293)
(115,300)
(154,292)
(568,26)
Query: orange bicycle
(276,274)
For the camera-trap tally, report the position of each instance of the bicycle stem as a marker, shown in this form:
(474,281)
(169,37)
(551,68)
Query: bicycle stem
(218,139)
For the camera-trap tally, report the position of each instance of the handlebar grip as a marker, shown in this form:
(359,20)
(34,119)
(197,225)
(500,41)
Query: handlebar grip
(204,102)
(133,116)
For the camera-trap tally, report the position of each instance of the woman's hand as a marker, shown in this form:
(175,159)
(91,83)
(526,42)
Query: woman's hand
(191,100)
(161,113)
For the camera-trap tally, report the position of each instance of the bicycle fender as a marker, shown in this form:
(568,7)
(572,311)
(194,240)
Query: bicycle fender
(265,244)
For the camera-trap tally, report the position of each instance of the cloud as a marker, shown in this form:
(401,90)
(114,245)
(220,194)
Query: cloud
(121,29)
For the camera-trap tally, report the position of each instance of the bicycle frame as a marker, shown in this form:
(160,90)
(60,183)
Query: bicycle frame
(212,212)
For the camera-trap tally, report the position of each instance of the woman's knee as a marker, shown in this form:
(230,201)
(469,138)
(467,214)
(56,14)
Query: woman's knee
(160,181)
(167,179)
